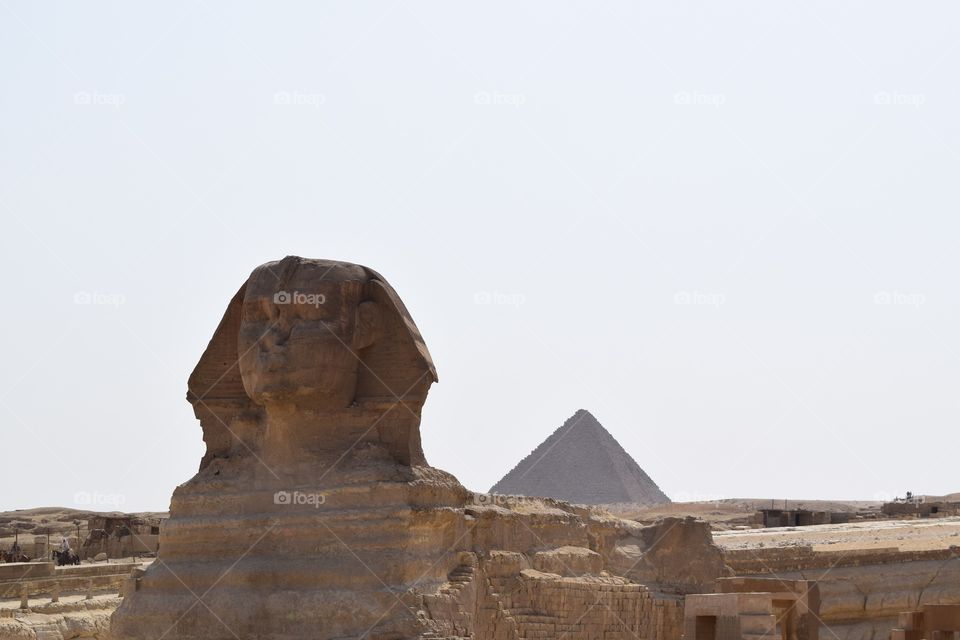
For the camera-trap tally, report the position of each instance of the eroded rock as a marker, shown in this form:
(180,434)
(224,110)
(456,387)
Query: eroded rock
(315,515)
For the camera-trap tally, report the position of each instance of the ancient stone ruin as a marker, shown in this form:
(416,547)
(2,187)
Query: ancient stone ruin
(581,463)
(315,515)
(754,608)
(931,622)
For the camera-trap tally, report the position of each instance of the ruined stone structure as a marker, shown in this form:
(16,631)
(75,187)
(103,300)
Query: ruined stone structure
(729,616)
(581,463)
(754,609)
(862,592)
(796,603)
(921,508)
(59,603)
(120,536)
(315,515)
(793,517)
(932,622)
(43,578)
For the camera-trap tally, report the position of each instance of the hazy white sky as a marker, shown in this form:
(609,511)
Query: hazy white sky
(727,229)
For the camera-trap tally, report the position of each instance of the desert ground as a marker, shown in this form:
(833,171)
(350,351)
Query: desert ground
(904,535)
(730,519)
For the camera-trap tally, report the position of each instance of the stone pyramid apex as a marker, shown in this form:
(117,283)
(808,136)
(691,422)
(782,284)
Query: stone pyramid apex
(581,462)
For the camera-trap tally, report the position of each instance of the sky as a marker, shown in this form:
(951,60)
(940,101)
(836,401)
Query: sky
(726,229)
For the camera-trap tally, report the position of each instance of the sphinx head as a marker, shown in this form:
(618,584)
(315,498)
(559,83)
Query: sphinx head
(304,325)
(324,339)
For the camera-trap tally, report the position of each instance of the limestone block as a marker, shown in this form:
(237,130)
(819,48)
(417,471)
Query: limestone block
(568,561)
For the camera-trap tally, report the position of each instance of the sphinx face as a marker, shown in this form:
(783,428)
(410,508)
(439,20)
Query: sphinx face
(296,341)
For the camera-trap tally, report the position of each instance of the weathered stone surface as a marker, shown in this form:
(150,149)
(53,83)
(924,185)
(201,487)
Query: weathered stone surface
(311,358)
(313,508)
(568,561)
(315,515)
(863,602)
(85,619)
(676,553)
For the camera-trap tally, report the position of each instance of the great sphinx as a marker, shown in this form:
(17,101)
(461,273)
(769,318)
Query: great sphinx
(314,513)
(313,504)
(312,358)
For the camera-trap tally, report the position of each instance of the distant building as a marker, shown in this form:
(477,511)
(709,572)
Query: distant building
(921,507)
(796,517)
(121,535)
(125,524)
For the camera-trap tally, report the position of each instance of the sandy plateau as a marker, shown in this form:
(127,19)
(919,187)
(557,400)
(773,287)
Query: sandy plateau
(904,535)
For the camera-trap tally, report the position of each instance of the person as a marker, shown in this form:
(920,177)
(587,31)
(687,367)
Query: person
(64,545)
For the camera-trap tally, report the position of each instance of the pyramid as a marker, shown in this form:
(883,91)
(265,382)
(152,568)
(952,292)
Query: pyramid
(581,463)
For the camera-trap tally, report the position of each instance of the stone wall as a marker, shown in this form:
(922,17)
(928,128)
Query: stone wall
(21,570)
(729,616)
(124,547)
(774,559)
(44,578)
(499,598)
(862,592)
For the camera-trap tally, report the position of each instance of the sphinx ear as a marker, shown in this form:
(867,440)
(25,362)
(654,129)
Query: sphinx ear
(369,325)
